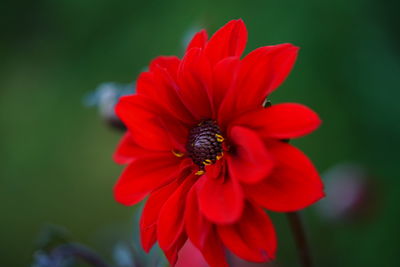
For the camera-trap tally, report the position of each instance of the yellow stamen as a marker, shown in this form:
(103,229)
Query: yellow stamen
(207,162)
(220,156)
(220,138)
(178,154)
(200,172)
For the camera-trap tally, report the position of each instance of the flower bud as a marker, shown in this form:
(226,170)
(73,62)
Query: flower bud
(104,97)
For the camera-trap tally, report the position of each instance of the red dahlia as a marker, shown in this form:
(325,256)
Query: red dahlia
(210,157)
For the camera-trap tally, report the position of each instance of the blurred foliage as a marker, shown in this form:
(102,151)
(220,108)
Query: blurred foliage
(56,154)
(54,248)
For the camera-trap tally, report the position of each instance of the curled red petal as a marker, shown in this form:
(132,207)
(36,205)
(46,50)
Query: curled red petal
(220,199)
(252,238)
(250,161)
(281,121)
(228,41)
(199,40)
(145,174)
(293,185)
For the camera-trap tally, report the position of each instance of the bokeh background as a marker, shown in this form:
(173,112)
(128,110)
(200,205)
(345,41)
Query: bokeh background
(56,165)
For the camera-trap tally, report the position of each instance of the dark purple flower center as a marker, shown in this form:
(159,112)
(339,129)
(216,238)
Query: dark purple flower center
(205,143)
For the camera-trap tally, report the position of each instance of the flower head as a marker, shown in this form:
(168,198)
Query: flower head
(210,157)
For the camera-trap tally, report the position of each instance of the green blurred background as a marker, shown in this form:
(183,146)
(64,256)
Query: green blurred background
(56,164)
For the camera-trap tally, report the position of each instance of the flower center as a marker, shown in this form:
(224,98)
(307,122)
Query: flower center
(204,144)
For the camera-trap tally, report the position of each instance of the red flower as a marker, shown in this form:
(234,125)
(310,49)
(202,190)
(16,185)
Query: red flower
(208,155)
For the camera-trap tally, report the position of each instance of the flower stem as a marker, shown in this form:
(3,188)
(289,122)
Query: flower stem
(300,238)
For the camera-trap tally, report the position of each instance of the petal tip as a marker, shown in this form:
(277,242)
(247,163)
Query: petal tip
(239,21)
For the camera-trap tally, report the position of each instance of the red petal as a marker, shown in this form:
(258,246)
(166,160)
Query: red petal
(202,233)
(213,250)
(264,69)
(169,64)
(197,227)
(127,150)
(228,41)
(224,75)
(281,121)
(170,222)
(150,214)
(146,174)
(149,126)
(220,199)
(159,85)
(252,238)
(194,80)
(250,162)
(138,114)
(199,40)
(177,133)
(293,185)
(172,253)
(260,73)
